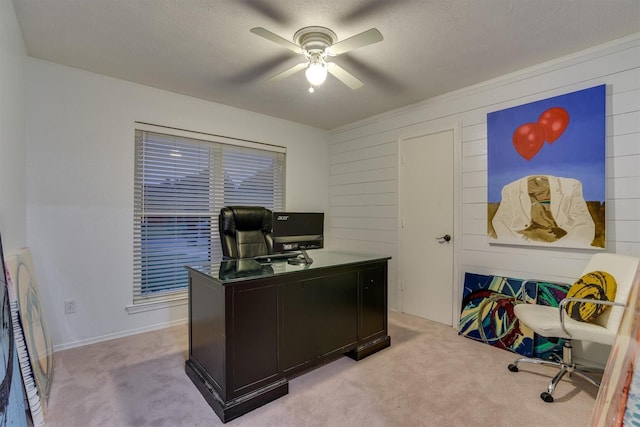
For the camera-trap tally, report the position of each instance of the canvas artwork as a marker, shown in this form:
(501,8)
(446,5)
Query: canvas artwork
(488,312)
(618,399)
(35,349)
(546,172)
(12,405)
(550,294)
(632,408)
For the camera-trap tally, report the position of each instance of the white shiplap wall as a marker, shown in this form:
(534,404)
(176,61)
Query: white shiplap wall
(364,176)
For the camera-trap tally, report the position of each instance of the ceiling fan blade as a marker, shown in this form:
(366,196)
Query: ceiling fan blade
(259,70)
(289,72)
(370,8)
(359,40)
(276,39)
(373,74)
(344,76)
(268,10)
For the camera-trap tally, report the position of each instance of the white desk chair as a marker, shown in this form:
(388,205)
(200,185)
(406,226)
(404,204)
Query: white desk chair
(554,322)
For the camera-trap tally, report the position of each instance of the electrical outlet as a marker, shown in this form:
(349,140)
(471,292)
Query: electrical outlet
(69,306)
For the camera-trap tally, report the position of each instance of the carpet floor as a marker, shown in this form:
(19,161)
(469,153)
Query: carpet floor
(430,376)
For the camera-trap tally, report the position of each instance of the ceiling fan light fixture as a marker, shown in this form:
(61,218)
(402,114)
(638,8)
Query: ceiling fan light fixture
(316,43)
(316,73)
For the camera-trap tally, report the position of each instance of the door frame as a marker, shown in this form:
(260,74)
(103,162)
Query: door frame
(456,128)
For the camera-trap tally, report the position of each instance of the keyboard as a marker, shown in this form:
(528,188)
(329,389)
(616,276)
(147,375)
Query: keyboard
(276,257)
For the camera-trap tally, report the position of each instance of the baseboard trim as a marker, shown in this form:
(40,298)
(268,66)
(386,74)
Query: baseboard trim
(108,337)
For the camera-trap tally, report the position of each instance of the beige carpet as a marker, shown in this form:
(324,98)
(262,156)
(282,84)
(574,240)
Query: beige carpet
(429,376)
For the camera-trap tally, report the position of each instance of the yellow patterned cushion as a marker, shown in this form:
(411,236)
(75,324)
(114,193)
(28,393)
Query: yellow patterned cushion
(597,285)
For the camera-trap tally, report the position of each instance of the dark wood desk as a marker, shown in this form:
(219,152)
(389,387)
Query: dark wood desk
(252,326)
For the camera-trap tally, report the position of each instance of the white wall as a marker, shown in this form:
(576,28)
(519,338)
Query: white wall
(370,148)
(80,151)
(13,183)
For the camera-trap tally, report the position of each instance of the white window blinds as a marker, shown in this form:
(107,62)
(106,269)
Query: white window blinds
(180,185)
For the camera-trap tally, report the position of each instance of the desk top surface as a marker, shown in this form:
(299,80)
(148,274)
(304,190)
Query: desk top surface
(234,270)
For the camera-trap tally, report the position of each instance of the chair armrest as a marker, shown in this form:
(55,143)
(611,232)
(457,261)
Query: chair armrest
(522,293)
(565,301)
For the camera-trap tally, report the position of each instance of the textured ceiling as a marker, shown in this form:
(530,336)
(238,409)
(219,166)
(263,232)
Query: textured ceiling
(203,48)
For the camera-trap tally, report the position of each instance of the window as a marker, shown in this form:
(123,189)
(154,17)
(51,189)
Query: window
(182,180)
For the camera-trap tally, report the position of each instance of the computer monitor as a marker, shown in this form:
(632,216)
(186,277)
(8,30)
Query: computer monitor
(293,231)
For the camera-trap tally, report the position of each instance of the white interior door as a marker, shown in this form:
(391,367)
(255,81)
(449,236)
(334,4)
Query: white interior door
(425,260)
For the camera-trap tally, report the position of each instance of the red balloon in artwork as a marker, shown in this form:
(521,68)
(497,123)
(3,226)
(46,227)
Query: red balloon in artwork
(528,139)
(554,121)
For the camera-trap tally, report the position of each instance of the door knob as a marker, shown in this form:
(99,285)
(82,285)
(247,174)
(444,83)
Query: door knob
(443,239)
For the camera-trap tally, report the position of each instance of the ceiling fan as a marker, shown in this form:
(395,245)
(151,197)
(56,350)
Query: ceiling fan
(317,44)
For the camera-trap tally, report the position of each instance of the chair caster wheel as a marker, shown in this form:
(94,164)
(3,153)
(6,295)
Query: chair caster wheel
(513,367)
(546,397)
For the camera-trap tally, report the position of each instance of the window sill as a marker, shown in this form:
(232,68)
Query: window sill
(142,307)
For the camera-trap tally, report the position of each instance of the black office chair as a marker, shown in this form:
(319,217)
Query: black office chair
(238,268)
(245,231)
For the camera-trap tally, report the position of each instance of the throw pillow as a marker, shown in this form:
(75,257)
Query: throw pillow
(597,285)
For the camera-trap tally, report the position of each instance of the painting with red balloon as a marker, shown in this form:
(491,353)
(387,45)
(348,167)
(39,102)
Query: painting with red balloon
(546,172)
